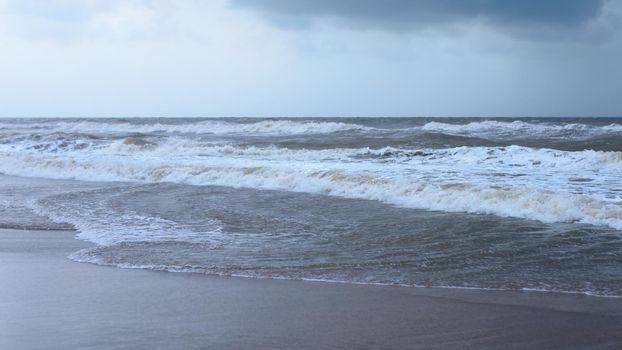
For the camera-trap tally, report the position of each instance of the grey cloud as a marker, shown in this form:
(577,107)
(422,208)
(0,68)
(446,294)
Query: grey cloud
(400,15)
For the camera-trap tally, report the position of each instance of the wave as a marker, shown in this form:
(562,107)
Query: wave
(521,128)
(487,129)
(510,156)
(468,159)
(264,127)
(437,182)
(79,145)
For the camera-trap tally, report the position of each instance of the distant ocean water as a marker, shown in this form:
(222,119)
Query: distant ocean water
(469,203)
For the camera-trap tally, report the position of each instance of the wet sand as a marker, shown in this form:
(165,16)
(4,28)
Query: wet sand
(50,302)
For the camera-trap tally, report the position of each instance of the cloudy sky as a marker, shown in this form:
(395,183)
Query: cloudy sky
(122,58)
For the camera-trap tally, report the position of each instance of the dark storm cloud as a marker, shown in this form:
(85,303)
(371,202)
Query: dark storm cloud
(413,14)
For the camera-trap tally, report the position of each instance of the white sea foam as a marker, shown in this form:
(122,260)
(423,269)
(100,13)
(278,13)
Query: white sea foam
(298,127)
(263,127)
(510,156)
(546,185)
(520,128)
(99,223)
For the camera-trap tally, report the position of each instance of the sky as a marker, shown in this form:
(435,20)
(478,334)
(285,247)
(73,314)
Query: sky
(310,58)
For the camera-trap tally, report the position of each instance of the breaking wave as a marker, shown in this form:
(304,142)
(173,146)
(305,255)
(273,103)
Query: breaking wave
(521,128)
(494,128)
(264,127)
(454,180)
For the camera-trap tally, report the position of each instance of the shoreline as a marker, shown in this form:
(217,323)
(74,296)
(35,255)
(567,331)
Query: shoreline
(50,302)
(435,288)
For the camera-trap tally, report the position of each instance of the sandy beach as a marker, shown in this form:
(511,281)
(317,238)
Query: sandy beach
(50,302)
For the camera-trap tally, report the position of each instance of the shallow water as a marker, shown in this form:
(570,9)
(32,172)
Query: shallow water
(505,204)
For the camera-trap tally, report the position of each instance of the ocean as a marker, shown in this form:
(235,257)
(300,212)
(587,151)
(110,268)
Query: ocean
(496,203)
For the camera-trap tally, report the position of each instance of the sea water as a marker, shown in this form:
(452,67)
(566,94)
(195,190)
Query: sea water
(470,203)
